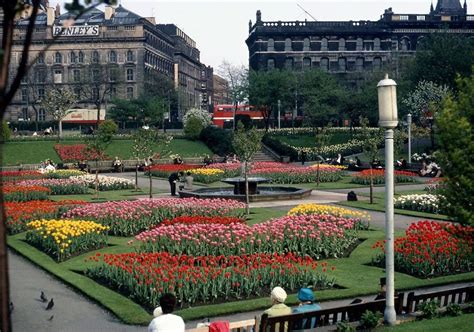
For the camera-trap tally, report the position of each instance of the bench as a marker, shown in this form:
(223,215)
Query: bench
(457,295)
(240,326)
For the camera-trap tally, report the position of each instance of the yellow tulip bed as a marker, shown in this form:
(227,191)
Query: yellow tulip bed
(64,238)
(307,209)
(207,175)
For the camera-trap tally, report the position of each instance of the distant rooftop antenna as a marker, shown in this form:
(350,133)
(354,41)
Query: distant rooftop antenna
(306,12)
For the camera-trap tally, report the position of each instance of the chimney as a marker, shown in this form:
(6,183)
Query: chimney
(151,20)
(109,12)
(57,12)
(50,16)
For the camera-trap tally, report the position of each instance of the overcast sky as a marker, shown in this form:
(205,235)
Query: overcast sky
(221,27)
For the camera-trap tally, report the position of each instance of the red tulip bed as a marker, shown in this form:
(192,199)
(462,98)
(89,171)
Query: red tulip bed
(165,170)
(431,249)
(379,177)
(59,186)
(15,193)
(77,152)
(20,176)
(19,213)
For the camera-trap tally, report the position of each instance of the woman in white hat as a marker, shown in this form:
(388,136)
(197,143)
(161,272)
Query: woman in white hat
(278,308)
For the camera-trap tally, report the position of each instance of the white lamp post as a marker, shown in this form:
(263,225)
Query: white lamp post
(279,106)
(388,119)
(409,137)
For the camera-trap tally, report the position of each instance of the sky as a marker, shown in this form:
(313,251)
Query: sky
(220,28)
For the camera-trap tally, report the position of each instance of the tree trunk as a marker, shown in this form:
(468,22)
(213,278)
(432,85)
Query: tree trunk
(60,129)
(97,180)
(247,207)
(151,183)
(371,186)
(136,176)
(4,283)
(317,175)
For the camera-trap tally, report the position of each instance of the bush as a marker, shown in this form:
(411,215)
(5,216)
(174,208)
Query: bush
(345,327)
(5,132)
(218,140)
(193,128)
(108,127)
(429,309)
(454,310)
(370,320)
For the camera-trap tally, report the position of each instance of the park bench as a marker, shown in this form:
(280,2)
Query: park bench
(457,295)
(240,326)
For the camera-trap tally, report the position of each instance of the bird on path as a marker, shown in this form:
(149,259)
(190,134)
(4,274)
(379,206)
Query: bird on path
(51,318)
(43,297)
(50,305)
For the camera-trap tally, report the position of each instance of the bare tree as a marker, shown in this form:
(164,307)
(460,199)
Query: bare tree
(58,102)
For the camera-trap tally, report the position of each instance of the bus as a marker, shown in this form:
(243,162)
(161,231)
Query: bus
(223,115)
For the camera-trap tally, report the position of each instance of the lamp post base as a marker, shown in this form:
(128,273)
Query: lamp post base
(390,316)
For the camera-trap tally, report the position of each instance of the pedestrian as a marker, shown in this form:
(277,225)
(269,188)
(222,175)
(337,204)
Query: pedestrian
(188,181)
(307,303)
(167,322)
(303,157)
(172,179)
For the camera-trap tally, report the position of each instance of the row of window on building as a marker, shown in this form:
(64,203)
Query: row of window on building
(76,75)
(80,57)
(325,64)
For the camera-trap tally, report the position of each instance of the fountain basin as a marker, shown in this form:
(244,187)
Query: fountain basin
(239,184)
(265,193)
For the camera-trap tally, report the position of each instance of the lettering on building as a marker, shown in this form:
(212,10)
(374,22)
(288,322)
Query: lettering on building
(76,30)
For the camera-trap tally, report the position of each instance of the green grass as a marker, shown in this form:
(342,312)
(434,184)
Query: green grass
(463,323)
(112,195)
(352,274)
(15,153)
(309,140)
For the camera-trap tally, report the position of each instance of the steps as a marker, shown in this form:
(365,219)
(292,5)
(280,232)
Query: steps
(262,156)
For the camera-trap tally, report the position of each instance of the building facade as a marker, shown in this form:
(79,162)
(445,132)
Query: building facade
(221,91)
(351,46)
(101,55)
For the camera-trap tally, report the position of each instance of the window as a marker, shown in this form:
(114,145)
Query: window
(377,64)
(40,75)
(41,114)
(359,44)
(95,94)
(95,57)
(73,57)
(40,58)
(405,44)
(81,57)
(41,93)
(112,56)
(112,74)
(76,75)
(58,76)
(129,74)
(77,92)
(377,44)
(24,113)
(129,56)
(270,63)
(95,75)
(341,62)
(324,44)
(58,58)
(112,28)
(306,45)
(288,45)
(113,92)
(359,64)
(289,63)
(342,44)
(129,92)
(403,17)
(129,27)
(324,64)
(306,63)
(24,94)
(420,18)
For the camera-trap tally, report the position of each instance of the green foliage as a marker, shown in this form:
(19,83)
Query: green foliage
(194,121)
(456,152)
(147,142)
(58,102)
(144,109)
(218,140)
(454,310)
(5,132)
(246,142)
(99,141)
(108,128)
(369,139)
(429,309)
(322,139)
(344,327)
(441,57)
(193,128)
(370,320)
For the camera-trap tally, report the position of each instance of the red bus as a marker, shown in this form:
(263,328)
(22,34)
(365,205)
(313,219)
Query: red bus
(225,113)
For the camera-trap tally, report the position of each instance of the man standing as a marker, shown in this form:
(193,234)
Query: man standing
(172,179)
(167,322)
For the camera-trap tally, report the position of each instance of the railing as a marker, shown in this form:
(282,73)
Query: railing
(273,154)
(458,295)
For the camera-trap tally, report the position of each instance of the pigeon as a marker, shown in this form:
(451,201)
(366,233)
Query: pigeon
(50,305)
(11,307)
(43,297)
(51,318)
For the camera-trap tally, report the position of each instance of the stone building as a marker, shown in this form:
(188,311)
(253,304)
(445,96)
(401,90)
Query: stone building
(351,47)
(110,53)
(221,91)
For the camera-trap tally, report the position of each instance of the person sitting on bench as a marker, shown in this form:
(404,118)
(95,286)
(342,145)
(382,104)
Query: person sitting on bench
(307,303)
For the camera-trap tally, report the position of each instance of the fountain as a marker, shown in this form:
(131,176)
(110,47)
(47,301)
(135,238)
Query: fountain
(256,193)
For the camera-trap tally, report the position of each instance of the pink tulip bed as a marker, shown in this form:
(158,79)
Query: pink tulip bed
(59,186)
(126,218)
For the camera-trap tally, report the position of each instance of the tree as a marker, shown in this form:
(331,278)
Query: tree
(246,143)
(194,121)
(146,110)
(440,57)
(237,76)
(321,141)
(58,102)
(147,143)
(456,152)
(9,83)
(97,143)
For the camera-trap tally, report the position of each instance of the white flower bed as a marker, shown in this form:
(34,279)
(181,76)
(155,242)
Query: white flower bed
(106,182)
(423,203)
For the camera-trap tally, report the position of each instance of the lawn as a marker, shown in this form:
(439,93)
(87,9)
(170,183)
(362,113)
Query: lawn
(354,276)
(309,140)
(33,152)
(462,323)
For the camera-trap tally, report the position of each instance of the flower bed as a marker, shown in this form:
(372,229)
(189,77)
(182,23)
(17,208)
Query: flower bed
(206,279)
(230,169)
(106,183)
(431,249)
(193,220)
(72,186)
(379,176)
(64,173)
(424,203)
(76,152)
(163,171)
(62,239)
(433,186)
(207,175)
(20,176)
(314,236)
(14,193)
(361,218)
(127,218)
(19,213)
(287,174)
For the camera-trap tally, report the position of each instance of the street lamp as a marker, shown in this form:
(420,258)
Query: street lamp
(279,107)
(388,119)
(409,137)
